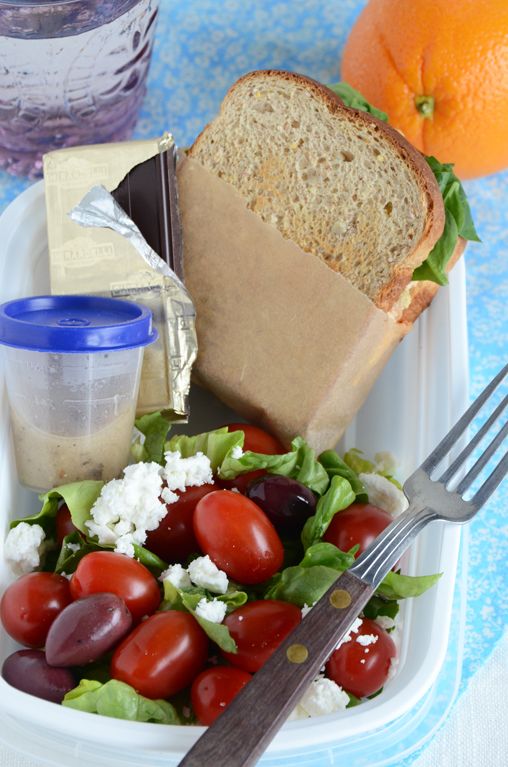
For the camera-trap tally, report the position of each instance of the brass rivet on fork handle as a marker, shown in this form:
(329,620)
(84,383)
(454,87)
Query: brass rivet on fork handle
(297,653)
(340,599)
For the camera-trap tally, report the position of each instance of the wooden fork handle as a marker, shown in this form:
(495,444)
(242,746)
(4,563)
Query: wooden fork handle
(240,735)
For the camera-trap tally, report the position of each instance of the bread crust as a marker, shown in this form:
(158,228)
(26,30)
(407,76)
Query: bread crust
(423,292)
(389,293)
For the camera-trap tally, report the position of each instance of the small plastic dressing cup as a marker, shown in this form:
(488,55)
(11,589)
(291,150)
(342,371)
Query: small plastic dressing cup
(72,369)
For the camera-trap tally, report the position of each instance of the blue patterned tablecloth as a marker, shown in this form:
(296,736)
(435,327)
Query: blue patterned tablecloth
(202,47)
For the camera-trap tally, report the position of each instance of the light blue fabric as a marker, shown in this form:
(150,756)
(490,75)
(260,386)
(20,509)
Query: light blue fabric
(202,46)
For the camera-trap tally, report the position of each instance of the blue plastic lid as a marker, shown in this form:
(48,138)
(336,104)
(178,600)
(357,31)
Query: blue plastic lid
(73,324)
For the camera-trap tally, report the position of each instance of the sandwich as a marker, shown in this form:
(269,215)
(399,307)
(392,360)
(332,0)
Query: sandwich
(339,182)
(314,236)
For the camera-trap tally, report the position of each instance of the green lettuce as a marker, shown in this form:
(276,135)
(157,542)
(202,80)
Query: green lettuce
(217,445)
(154,427)
(119,700)
(354,458)
(339,496)
(335,466)
(188,599)
(397,586)
(458,219)
(300,463)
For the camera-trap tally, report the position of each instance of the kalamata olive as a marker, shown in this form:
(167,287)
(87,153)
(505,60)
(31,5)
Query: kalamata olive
(86,629)
(286,502)
(28,671)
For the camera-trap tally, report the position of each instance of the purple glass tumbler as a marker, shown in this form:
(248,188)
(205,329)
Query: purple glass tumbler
(72,72)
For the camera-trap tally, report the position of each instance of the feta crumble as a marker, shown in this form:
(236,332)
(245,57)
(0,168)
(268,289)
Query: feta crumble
(323,696)
(180,473)
(306,609)
(177,576)
(23,547)
(211,609)
(353,630)
(236,452)
(384,494)
(128,508)
(366,639)
(385,622)
(203,572)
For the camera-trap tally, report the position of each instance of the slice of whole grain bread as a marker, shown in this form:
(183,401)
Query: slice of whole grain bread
(341,184)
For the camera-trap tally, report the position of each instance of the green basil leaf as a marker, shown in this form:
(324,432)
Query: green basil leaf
(339,496)
(155,428)
(354,100)
(119,700)
(397,586)
(147,558)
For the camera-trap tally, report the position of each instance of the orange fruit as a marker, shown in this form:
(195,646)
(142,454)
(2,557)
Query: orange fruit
(439,69)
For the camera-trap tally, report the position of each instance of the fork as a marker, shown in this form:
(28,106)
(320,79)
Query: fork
(240,735)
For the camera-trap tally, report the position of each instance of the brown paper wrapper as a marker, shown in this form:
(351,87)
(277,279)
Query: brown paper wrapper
(102,261)
(283,340)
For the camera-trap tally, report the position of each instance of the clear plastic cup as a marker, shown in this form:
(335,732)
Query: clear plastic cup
(72,72)
(72,368)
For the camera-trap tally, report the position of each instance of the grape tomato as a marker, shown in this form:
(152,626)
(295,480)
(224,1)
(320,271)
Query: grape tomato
(258,628)
(162,655)
(238,537)
(214,689)
(30,604)
(127,578)
(257,441)
(64,524)
(359,524)
(362,667)
(174,540)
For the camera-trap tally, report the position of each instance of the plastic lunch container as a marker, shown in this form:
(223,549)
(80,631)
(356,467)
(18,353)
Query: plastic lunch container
(418,397)
(72,369)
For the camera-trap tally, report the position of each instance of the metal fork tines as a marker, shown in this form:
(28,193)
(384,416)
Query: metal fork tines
(434,498)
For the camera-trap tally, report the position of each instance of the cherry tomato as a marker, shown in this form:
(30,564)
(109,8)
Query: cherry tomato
(162,655)
(30,605)
(258,628)
(362,669)
(64,524)
(214,689)
(258,441)
(237,536)
(174,539)
(118,574)
(359,524)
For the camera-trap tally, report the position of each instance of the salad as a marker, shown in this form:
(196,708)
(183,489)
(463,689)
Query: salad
(157,596)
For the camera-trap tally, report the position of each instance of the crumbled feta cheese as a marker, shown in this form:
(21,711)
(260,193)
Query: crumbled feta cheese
(353,630)
(168,496)
(362,660)
(211,609)
(128,508)
(72,546)
(306,609)
(322,697)
(236,452)
(66,575)
(385,622)
(366,639)
(384,494)
(203,572)
(23,547)
(385,463)
(177,575)
(180,473)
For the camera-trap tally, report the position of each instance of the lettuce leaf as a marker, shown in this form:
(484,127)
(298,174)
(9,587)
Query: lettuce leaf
(119,700)
(217,445)
(339,496)
(335,466)
(154,427)
(354,100)
(300,463)
(397,586)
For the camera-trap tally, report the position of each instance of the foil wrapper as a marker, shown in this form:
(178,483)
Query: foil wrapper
(98,208)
